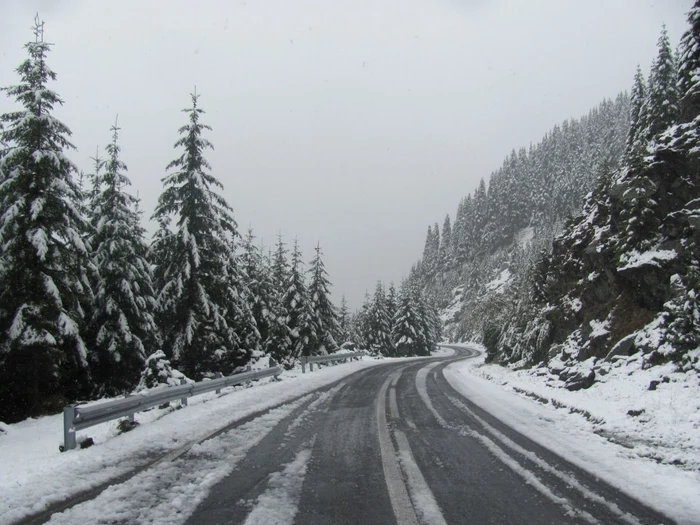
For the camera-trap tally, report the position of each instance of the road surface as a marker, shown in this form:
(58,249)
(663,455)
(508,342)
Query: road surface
(392,444)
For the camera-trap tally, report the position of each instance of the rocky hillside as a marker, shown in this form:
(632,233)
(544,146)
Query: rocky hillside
(623,276)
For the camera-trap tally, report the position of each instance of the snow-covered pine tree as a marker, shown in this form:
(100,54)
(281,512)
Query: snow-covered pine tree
(240,316)
(344,322)
(662,96)
(259,284)
(279,264)
(359,329)
(43,360)
(458,232)
(157,372)
(98,164)
(278,343)
(379,324)
(391,302)
(122,331)
(435,250)
(322,310)
(197,295)
(426,335)
(302,325)
(406,332)
(446,244)
(689,67)
(427,268)
(636,136)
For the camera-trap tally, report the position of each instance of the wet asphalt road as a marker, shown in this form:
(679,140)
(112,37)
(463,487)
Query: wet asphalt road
(390,444)
(397,444)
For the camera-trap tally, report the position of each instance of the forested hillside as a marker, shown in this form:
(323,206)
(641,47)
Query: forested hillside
(620,277)
(498,232)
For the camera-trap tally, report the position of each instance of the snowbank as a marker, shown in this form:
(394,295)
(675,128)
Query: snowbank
(34,474)
(645,442)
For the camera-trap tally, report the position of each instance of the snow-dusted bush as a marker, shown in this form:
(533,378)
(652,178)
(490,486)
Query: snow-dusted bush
(158,372)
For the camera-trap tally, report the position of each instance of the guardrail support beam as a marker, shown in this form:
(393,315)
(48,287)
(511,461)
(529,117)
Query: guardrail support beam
(304,360)
(183,401)
(69,442)
(218,375)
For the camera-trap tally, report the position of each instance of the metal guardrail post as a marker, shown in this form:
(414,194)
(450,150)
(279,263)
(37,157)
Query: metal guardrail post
(183,401)
(69,442)
(217,376)
(304,360)
(132,416)
(248,368)
(311,366)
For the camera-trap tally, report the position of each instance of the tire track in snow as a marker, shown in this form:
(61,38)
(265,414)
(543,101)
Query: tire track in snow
(412,500)
(279,503)
(529,477)
(170,492)
(569,479)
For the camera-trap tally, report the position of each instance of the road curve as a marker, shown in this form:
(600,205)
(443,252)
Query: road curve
(397,444)
(391,444)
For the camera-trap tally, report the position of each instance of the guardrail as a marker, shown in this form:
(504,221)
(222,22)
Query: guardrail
(81,417)
(310,360)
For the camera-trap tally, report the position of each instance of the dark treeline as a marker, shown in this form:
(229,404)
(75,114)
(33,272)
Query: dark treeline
(85,299)
(395,324)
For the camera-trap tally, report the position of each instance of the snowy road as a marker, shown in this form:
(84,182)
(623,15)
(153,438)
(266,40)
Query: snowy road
(394,443)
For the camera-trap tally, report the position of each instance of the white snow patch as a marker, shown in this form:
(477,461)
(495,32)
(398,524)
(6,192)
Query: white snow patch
(525,236)
(634,259)
(499,283)
(600,328)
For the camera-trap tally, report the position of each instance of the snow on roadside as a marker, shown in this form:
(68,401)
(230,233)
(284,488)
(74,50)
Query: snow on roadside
(34,474)
(592,428)
(443,352)
(169,493)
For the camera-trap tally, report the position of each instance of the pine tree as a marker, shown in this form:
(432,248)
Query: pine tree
(427,254)
(391,302)
(689,67)
(636,141)
(406,325)
(280,266)
(122,329)
(43,360)
(344,322)
(322,310)
(425,336)
(197,293)
(259,284)
(379,324)
(446,244)
(663,92)
(302,325)
(458,233)
(360,324)
(279,340)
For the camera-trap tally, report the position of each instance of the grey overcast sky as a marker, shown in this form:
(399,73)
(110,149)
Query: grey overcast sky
(355,123)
